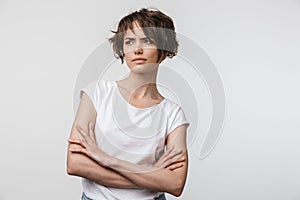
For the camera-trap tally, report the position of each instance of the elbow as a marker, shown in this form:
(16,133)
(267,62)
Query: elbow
(178,188)
(72,166)
(70,170)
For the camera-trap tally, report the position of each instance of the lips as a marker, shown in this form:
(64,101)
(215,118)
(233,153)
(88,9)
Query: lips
(139,60)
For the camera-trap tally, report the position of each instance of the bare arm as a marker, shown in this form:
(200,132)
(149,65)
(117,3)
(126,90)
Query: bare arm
(156,178)
(83,166)
(159,179)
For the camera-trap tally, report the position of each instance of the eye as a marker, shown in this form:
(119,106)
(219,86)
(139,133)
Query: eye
(129,42)
(148,41)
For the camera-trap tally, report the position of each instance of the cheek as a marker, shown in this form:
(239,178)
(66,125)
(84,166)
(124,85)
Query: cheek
(126,50)
(153,53)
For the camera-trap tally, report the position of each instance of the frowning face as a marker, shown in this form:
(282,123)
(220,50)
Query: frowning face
(141,53)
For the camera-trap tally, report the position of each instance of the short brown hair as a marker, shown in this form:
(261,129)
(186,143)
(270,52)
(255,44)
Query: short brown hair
(155,24)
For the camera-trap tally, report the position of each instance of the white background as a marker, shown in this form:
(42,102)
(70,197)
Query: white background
(254,44)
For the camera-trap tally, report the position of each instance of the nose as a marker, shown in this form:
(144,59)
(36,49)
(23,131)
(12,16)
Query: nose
(138,49)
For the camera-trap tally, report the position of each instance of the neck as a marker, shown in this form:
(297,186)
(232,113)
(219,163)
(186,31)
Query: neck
(141,85)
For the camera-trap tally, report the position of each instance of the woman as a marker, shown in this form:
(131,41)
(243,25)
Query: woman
(125,158)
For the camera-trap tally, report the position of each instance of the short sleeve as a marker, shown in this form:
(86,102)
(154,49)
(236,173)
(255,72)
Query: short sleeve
(92,90)
(177,119)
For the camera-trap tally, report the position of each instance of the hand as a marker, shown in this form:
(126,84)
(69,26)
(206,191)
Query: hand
(172,159)
(89,146)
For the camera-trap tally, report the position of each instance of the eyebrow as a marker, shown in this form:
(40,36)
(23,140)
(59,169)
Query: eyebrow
(130,38)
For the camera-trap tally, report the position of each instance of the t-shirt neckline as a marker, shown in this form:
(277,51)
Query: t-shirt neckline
(116,88)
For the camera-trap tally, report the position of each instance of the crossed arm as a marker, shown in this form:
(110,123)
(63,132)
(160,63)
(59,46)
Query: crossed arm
(85,159)
(81,165)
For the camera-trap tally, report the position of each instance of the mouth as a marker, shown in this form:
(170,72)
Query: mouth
(139,60)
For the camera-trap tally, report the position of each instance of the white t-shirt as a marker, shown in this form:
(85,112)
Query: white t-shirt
(129,133)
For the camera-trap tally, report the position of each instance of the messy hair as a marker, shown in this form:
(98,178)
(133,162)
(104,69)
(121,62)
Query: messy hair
(155,25)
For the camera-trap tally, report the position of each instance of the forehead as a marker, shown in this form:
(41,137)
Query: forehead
(136,31)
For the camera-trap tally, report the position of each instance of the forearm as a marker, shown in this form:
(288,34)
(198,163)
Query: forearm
(82,166)
(155,179)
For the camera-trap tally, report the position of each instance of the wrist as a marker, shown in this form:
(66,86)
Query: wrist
(102,158)
(113,162)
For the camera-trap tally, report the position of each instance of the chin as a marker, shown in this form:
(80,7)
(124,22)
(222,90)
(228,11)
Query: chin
(144,68)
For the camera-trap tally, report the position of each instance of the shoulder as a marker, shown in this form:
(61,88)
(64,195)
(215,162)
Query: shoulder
(171,106)
(175,115)
(104,83)
(103,86)
(97,91)
(173,109)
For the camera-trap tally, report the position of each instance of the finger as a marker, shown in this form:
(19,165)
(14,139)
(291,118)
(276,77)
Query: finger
(78,150)
(78,141)
(173,154)
(80,130)
(90,129)
(75,141)
(178,159)
(92,133)
(171,167)
(83,134)
(176,152)
(167,155)
(174,160)
(175,166)
(169,150)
